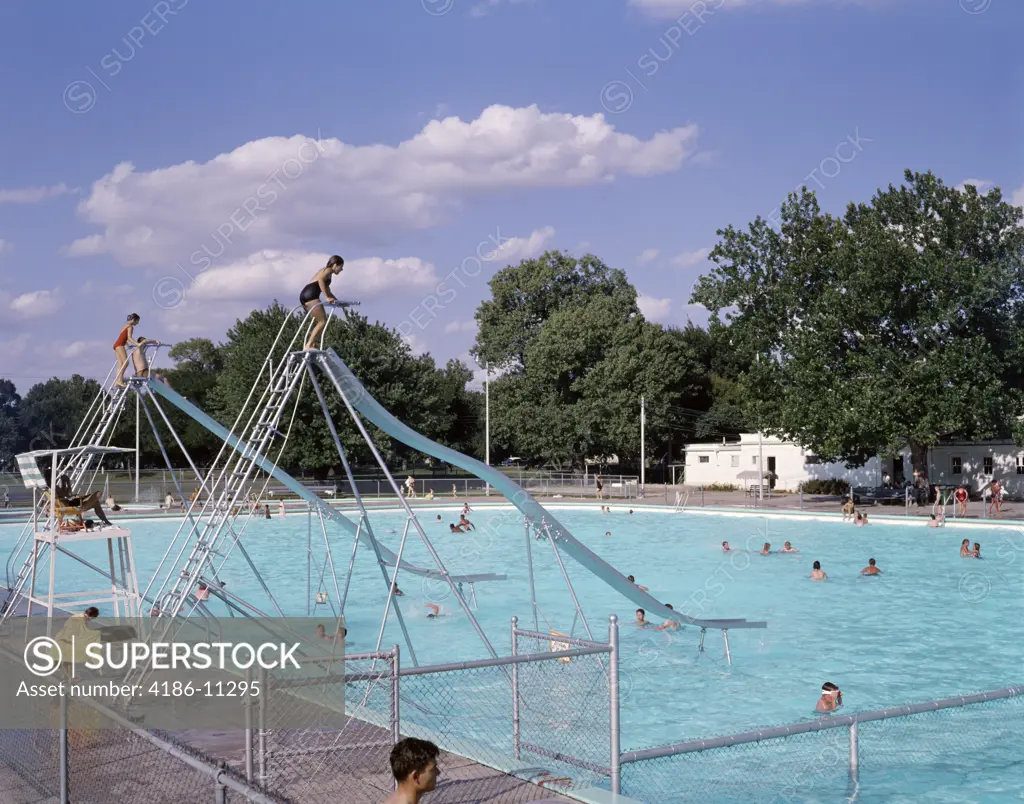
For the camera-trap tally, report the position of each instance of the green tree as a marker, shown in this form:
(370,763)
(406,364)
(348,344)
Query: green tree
(896,324)
(411,388)
(577,357)
(52,411)
(198,363)
(10,435)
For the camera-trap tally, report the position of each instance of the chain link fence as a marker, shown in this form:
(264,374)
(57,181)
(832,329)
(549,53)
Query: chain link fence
(895,756)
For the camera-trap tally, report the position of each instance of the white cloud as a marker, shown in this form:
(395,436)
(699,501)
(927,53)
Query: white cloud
(652,308)
(700,10)
(648,255)
(282,192)
(416,344)
(282,274)
(983,185)
(460,326)
(36,304)
(32,195)
(82,348)
(482,8)
(521,248)
(688,259)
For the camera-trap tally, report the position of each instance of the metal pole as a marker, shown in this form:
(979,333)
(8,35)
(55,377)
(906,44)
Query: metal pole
(529,564)
(262,724)
(643,451)
(62,743)
(309,558)
(515,693)
(138,454)
(725,639)
(613,704)
(220,789)
(396,720)
(487,418)
(760,465)
(854,759)
(248,724)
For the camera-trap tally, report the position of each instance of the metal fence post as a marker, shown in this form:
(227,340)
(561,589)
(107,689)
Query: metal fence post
(801,498)
(62,750)
(262,726)
(396,715)
(701,496)
(613,701)
(854,758)
(248,725)
(515,693)
(220,794)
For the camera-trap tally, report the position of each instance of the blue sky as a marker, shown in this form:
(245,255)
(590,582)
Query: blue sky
(411,136)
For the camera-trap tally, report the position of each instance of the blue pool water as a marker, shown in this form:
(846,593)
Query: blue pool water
(933,625)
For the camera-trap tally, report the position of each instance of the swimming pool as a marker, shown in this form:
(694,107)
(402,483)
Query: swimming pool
(933,625)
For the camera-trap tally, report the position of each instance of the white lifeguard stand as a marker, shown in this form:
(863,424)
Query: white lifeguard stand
(46,536)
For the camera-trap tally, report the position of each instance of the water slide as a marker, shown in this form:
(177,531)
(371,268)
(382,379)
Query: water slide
(347,385)
(298,488)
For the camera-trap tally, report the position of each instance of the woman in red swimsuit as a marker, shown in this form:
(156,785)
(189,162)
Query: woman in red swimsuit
(960,495)
(127,336)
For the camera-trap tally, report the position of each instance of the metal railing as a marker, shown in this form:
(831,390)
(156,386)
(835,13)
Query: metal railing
(825,756)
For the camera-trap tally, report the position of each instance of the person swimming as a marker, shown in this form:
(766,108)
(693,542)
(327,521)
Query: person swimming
(831,698)
(607,533)
(641,619)
(632,580)
(455,528)
(965,549)
(725,547)
(817,574)
(668,624)
(766,550)
(435,611)
(976,553)
(788,548)
(465,523)
(871,569)
(862,520)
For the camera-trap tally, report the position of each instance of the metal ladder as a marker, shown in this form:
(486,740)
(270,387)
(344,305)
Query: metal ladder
(681,501)
(232,483)
(76,468)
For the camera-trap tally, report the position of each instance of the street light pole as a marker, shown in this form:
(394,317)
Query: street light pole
(643,450)
(760,455)
(487,418)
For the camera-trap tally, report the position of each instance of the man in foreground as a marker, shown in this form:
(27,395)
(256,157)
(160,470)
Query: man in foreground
(414,764)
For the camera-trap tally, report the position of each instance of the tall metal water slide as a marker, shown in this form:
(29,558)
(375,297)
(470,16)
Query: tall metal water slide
(247,450)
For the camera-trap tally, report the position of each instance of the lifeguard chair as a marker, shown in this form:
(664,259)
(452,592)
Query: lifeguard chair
(48,535)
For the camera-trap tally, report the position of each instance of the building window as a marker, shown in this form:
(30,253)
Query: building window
(988,464)
(705,459)
(812,459)
(753,459)
(956,465)
(1020,464)
(736,461)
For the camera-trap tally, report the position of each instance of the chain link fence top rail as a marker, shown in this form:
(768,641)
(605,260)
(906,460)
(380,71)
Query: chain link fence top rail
(957,753)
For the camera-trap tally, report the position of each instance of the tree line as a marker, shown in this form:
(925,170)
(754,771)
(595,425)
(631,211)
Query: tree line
(899,323)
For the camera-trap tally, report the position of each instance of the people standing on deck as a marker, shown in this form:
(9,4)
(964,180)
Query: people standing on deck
(410,487)
(960,495)
(310,298)
(600,487)
(848,510)
(996,490)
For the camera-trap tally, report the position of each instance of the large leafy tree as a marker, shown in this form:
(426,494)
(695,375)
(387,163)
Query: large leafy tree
(896,324)
(577,357)
(52,411)
(10,439)
(198,364)
(412,388)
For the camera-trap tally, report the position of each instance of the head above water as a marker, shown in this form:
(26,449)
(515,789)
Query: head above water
(631,579)
(640,614)
(817,565)
(871,562)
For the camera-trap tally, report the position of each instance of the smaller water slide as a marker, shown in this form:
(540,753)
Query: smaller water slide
(300,489)
(350,387)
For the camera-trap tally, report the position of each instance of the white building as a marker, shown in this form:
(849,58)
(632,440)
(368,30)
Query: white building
(974,464)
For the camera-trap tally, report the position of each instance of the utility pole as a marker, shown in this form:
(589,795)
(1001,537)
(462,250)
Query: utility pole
(487,418)
(760,455)
(643,449)
(138,453)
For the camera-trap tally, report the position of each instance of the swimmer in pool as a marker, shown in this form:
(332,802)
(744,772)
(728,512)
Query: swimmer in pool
(871,569)
(668,624)
(976,553)
(725,547)
(321,632)
(862,520)
(435,611)
(965,549)
(831,698)
(766,549)
(788,548)
(607,533)
(340,634)
(817,574)
(934,523)
(641,620)
(465,523)
(466,509)
(632,580)
(455,528)
(438,518)
(398,592)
